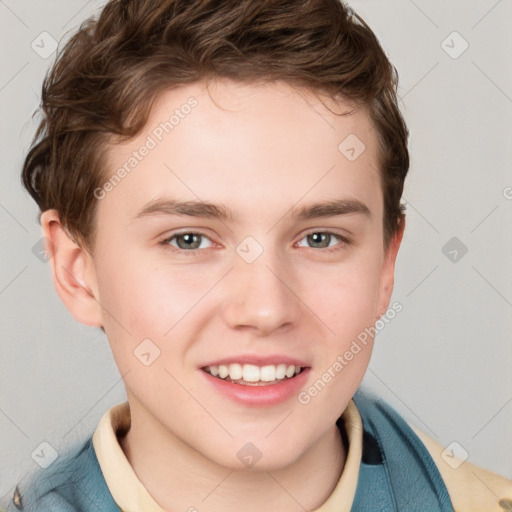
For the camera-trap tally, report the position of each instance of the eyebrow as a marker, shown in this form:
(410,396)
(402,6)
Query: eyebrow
(220,211)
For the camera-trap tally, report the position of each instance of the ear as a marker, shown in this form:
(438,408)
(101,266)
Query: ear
(387,280)
(73,271)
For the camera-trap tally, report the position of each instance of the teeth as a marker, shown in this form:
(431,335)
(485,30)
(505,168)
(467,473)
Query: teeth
(253,373)
(235,371)
(290,371)
(268,373)
(280,371)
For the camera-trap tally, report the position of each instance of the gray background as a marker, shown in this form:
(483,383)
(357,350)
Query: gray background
(443,362)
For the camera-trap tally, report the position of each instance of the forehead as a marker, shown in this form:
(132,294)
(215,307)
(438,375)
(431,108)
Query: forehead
(245,145)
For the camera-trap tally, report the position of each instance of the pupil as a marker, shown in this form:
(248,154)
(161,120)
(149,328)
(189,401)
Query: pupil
(189,241)
(319,239)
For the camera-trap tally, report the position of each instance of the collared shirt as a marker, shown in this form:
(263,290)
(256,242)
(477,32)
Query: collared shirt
(471,488)
(131,495)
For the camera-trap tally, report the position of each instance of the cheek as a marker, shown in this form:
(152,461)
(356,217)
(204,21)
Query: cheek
(347,305)
(132,297)
(151,300)
(345,297)
(147,297)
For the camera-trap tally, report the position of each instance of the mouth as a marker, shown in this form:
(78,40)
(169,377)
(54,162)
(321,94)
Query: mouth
(253,375)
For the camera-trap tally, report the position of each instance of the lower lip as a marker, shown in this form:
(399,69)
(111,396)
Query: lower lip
(262,395)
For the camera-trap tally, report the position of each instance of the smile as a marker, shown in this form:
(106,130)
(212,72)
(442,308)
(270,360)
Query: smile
(252,375)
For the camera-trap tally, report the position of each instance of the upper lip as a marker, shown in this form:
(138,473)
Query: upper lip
(258,360)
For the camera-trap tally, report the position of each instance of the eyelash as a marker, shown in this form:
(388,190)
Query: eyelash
(344,242)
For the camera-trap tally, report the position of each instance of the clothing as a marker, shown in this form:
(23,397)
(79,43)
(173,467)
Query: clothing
(389,466)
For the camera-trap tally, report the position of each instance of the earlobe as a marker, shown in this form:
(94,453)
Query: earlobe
(388,270)
(72,271)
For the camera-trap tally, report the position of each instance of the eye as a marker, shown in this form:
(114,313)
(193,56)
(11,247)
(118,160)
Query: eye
(187,241)
(323,239)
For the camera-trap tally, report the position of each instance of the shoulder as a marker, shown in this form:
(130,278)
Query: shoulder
(73,482)
(400,469)
(471,487)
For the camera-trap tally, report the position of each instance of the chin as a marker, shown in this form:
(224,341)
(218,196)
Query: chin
(257,455)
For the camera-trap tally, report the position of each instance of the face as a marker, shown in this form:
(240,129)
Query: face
(245,238)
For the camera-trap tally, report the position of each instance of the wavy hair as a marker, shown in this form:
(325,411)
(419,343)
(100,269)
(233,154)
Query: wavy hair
(107,76)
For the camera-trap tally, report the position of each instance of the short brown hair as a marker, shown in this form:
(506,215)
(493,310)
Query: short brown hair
(107,76)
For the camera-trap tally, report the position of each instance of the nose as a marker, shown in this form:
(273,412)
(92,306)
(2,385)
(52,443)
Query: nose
(260,297)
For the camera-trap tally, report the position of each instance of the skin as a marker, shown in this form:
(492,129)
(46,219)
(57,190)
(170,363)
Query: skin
(259,149)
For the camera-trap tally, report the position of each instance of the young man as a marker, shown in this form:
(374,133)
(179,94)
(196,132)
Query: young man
(220,189)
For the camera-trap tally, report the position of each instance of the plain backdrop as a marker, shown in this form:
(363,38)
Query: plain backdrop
(443,362)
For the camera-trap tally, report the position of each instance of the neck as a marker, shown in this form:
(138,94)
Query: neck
(180,478)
